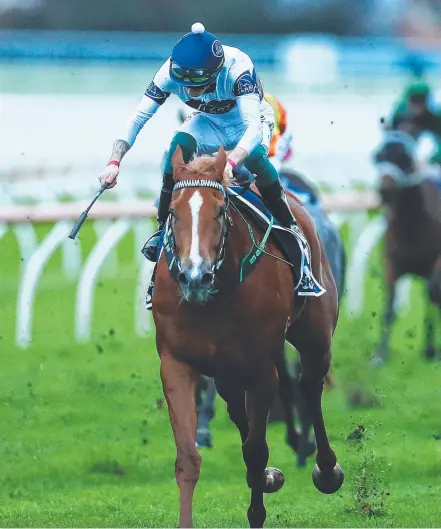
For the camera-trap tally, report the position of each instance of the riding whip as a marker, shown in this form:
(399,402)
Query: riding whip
(83,215)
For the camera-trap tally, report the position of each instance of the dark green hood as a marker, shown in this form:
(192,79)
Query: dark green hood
(417,87)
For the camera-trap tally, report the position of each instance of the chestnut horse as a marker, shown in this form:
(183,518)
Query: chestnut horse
(237,334)
(413,237)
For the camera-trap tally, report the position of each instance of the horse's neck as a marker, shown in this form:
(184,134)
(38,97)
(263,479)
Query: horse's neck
(409,201)
(409,207)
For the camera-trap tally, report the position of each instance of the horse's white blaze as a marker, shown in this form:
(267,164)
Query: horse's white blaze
(195,204)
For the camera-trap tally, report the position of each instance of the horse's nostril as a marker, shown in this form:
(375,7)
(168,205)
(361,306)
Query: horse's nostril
(182,278)
(207,279)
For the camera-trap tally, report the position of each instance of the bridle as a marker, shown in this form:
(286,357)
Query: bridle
(169,244)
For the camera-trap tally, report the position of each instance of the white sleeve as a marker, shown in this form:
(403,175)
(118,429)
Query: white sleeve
(249,108)
(156,94)
(143,112)
(247,90)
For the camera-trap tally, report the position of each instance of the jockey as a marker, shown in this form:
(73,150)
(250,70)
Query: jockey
(280,148)
(220,83)
(415,114)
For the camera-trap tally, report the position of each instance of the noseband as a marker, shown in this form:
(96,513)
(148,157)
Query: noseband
(169,245)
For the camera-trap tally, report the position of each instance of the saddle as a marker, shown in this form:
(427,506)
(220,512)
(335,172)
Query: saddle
(292,243)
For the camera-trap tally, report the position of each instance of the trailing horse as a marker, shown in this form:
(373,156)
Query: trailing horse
(412,202)
(223,305)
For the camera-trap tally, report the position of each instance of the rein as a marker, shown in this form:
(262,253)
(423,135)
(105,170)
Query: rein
(259,246)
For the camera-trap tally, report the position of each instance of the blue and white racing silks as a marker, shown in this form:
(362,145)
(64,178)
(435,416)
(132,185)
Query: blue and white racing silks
(234,99)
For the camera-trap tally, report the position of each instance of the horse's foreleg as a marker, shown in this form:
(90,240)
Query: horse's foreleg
(286,394)
(233,394)
(205,415)
(306,444)
(432,308)
(327,475)
(383,347)
(255,449)
(429,320)
(179,384)
(329,380)
(289,396)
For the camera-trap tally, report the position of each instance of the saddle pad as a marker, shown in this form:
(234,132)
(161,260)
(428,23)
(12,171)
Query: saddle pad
(293,244)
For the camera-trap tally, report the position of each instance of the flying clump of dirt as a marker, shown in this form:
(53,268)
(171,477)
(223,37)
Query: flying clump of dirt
(368,492)
(357,435)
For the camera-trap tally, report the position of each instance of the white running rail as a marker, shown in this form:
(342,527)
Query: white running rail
(137,214)
(86,283)
(31,275)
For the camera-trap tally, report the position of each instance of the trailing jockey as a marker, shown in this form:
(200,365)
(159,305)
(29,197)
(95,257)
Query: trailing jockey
(280,150)
(416,114)
(220,83)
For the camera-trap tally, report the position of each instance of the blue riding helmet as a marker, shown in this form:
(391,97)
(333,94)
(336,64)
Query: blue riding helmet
(197,58)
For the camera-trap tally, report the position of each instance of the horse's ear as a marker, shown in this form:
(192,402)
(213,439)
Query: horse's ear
(177,158)
(177,161)
(221,161)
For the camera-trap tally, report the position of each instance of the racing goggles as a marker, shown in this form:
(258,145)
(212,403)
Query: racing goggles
(198,77)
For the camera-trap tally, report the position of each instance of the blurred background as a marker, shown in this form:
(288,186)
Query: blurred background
(72,70)
(85,434)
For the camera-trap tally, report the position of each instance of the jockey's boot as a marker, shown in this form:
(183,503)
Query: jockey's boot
(275,200)
(150,248)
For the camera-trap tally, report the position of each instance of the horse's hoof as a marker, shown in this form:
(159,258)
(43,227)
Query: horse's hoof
(274,480)
(377,361)
(309,450)
(429,352)
(204,439)
(301,461)
(328,482)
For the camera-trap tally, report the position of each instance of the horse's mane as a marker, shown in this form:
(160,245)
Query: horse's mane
(203,167)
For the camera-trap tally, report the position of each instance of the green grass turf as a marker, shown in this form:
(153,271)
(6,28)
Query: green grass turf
(85,439)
